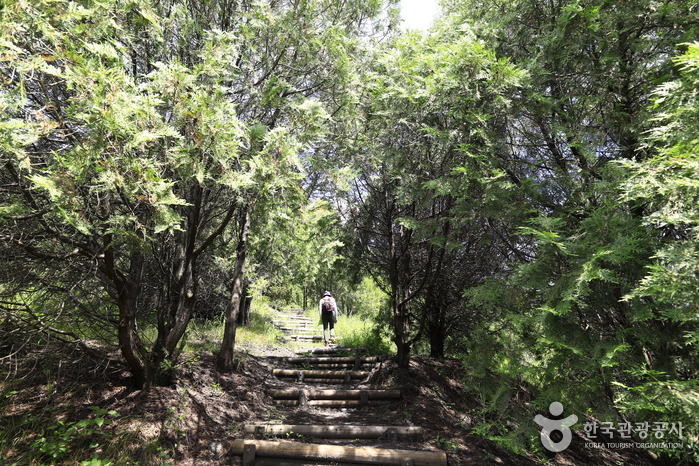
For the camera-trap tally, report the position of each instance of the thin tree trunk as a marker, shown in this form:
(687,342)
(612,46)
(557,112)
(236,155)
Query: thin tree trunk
(402,328)
(128,290)
(225,360)
(436,330)
(401,312)
(183,311)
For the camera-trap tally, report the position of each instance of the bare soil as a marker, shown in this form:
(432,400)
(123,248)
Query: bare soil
(195,420)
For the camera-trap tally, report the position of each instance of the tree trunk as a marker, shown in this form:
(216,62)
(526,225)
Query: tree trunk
(244,313)
(225,359)
(182,313)
(436,332)
(400,269)
(436,323)
(401,316)
(128,290)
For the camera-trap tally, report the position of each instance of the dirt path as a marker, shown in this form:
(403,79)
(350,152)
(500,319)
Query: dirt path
(309,373)
(417,408)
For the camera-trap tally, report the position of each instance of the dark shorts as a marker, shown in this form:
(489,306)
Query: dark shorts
(328,320)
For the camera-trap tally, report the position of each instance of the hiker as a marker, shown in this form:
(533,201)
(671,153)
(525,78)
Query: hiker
(328,314)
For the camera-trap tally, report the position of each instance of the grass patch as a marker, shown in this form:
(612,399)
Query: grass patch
(261,331)
(206,336)
(353,331)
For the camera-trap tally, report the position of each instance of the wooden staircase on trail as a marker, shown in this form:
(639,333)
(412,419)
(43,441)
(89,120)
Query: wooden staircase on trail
(296,326)
(320,367)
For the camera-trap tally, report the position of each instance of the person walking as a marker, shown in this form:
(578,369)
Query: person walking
(328,315)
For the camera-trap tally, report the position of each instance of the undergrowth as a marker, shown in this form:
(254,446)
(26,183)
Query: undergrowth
(43,425)
(353,331)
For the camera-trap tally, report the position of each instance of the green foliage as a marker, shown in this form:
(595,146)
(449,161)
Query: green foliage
(261,331)
(662,398)
(56,441)
(425,172)
(509,183)
(296,251)
(444,443)
(603,291)
(141,138)
(366,300)
(665,185)
(359,332)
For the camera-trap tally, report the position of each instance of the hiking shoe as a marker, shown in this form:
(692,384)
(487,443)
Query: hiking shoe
(327,344)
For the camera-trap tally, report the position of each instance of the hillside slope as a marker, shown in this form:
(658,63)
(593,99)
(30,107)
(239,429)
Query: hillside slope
(53,404)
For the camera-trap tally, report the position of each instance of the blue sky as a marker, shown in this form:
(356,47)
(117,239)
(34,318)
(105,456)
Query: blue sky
(418,14)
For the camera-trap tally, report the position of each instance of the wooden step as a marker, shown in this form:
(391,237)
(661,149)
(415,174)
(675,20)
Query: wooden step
(306,337)
(332,360)
(298,330)
(315,380)
(354,362)
(295,321)
(329,350)
(333,366)
(334,432)
(333,398)
(294,326)
(319,374)
(335,394)
(294,317)
(333,403)
(251,449)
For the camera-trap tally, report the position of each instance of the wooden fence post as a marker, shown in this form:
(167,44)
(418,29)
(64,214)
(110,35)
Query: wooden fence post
(249,454)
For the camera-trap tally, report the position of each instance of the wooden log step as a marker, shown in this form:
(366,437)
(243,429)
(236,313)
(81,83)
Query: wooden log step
(295,317)
(332,366)
(334,403)
(334,432)
(329,350)
(298,330)
(337,453)
(335,394)
(315,380)
(293,325)
(331,360)
(319,373)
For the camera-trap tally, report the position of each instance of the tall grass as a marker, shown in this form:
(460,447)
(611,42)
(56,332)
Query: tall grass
(354,331)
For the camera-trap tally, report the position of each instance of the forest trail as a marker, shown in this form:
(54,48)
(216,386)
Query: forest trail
(338,416)
(206,417)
